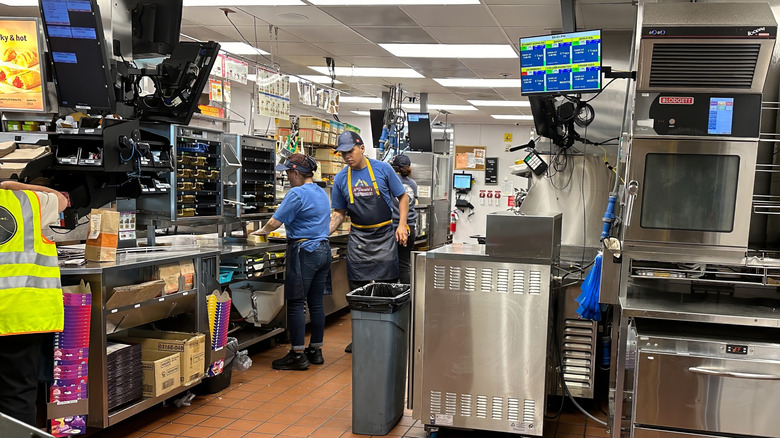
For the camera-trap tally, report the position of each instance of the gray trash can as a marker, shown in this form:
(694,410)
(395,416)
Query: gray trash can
(380,326)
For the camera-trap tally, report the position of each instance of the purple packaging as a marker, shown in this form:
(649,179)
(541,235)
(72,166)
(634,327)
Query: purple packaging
(65,383)
(68,426)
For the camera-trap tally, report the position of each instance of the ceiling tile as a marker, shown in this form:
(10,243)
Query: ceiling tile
(291,15)
(202,33)
(451,15)
(212,15)
(440,67)
(608,16)
(304,60)
(298,49)
(511,66)
(380,34)
(528,15)
(371,16)
(325,34)
(474,35)
(372,61)
(515,33)
(481,94)
(364,49)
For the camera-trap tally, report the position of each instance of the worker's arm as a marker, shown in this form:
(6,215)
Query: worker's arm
(269,226)
(337,217)
(401,233)
(62,201)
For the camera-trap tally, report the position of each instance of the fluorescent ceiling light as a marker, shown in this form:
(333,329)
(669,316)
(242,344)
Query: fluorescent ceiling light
(370,72)
(500,103)
(19,2)
(241,48)
(361,113)
(243,3)
(317,79)
(479,83)
(511,117)
(391,2)
(360,99)
(433,106)
(451,50)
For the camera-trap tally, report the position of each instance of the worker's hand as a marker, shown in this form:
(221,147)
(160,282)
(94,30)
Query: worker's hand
(401,234)
(260,232)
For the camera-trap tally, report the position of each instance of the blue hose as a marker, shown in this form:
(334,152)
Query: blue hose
(609,216)
(589,298)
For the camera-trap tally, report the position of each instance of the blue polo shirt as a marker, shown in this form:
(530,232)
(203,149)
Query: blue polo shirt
(305,213)
(386,179)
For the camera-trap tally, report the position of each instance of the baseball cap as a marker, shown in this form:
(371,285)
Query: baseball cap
(401,161)
(299,162)
(348,140)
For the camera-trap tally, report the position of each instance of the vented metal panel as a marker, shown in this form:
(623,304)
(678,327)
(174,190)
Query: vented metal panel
(435,402)
(513,409)
(518,282)
(701,65)
(535,283)
(579,344)
(529,409)
(486,285)
(455,277)
(470,284)
(439,273)
(502,281)
(482,406)
(451,401)
(465,405)
(498,408)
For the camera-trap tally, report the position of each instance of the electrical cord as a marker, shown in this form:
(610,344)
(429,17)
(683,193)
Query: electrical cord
(602,89)
(227,15)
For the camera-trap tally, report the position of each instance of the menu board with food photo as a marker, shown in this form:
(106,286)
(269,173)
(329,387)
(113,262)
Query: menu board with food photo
(21,88)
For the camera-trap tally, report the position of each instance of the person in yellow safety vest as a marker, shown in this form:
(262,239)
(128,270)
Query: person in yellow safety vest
(31,304)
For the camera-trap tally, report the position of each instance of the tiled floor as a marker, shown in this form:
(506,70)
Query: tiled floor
(263,402)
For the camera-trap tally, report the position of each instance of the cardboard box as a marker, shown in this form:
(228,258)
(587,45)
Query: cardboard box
(306,122)
(191,346)
(162,372)
(283,123)
(306,134)
(326,154)
(317,138)
(334,138)
(331,167)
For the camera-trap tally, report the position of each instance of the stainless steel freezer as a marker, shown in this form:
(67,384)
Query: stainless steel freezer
(479,340)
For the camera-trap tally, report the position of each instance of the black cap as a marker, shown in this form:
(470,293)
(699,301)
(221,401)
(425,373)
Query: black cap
(299,162)
(348,140)
(401,161)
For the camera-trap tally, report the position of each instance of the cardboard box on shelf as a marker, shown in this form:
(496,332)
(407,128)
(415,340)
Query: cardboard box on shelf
(283,123)
(306,122)
(331,167)
(317,138)
(334,138)
(134,293)
(325,126)
(317,124)
(306,134)
(162,372)
(190,346)
(283,132)
(326,154)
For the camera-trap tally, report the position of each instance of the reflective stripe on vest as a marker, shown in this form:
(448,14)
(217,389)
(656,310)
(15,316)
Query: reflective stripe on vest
(30,292)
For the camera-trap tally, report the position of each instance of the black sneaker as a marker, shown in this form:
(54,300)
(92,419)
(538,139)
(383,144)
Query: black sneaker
(349,348)
(292,361)
(314,355)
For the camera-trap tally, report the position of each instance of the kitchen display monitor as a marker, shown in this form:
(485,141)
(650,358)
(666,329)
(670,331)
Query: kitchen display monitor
(461,181)
(22,84)
(78,51)
(559,64)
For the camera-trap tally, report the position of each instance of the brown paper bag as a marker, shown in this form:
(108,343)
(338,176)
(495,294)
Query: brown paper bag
(170,274)
(188,275)
(103,236)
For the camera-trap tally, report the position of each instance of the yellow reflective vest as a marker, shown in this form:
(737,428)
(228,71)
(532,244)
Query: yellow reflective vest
(30,288)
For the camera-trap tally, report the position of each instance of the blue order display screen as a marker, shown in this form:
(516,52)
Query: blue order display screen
(721,115)
(569,62)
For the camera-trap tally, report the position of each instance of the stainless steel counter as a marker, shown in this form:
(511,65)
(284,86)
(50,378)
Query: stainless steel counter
(137,259)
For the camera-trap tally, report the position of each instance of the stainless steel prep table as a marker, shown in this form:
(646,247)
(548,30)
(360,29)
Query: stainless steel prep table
(133,268)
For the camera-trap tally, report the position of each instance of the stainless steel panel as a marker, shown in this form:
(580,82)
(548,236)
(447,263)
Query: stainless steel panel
(580,194)
(490,320)
(529,236)
(643,432)
(439,223)
(577,343)
(709,394)
(414,382)
(340,284)
(746,151)
(423,174)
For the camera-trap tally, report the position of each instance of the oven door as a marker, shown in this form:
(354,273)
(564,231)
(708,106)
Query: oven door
(690,191)
(707,394)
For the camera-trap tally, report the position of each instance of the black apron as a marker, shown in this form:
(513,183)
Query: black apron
(371,248)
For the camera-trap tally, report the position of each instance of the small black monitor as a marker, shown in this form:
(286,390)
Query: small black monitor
(377,124)
(79,57)
(462,181)
(156,26)
(562,63)
(420,136)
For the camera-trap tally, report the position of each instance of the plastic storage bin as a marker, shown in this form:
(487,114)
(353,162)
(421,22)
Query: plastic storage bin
(380,325)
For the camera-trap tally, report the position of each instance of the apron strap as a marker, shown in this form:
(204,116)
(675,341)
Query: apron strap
(349,181)
(362,227)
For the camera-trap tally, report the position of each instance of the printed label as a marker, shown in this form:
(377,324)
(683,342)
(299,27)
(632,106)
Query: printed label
(94,225)
(443,420)
(676,100)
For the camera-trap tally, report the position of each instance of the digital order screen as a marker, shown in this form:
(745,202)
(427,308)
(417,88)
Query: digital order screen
(569,62)
(721,116)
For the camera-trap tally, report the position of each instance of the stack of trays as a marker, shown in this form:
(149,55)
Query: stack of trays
(125,376)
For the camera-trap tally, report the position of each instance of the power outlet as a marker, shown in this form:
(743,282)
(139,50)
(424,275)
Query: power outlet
(506,148)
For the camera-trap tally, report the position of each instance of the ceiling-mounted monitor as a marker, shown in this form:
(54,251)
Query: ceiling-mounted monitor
(420,136)
(561,64)
(78,53)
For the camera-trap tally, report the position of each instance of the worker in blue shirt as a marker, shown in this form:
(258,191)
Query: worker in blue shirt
(364,190)
(305,213)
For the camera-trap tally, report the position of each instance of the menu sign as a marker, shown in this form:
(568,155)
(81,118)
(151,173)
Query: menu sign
(21,86)
(236,70)
(273,94)
(311,94)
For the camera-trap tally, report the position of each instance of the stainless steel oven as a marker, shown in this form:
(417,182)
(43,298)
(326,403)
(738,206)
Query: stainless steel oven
(690,191)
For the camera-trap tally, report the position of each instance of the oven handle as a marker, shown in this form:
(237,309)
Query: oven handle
(735,374)
(633,189)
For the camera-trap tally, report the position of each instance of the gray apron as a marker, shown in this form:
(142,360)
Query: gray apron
(371,248)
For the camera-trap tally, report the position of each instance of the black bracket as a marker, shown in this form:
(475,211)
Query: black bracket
(609,74)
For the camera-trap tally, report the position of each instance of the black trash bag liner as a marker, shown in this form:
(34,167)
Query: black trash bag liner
(379,297)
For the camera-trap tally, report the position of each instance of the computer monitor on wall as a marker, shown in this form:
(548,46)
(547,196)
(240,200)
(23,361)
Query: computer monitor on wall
(419,130)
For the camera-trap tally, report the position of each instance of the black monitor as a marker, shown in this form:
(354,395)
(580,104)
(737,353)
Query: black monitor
(79,59)
(156,26)
(420,136)
(562,63)
(377,124)
(462,182)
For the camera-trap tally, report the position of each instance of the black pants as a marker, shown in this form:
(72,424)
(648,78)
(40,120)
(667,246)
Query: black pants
(20,357)
(405,258)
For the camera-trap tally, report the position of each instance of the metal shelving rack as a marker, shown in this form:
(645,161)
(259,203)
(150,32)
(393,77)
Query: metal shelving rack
(250,178)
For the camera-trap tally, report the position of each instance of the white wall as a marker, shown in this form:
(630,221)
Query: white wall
(492,137)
